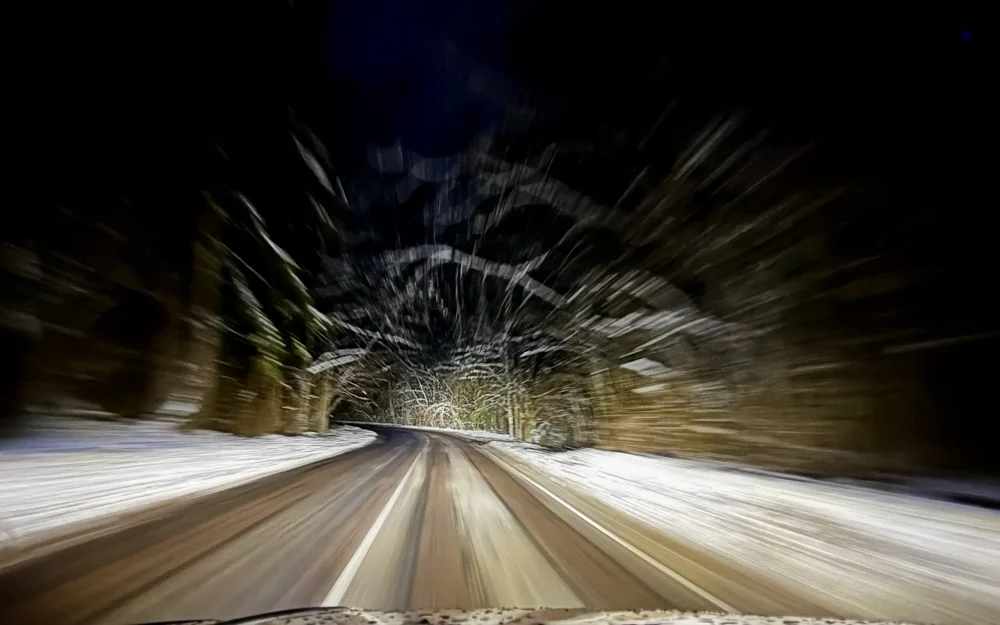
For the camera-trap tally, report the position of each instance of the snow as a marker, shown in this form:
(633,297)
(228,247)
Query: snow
(66,471)
(350,616)
(476,435)
(902,554)
(483,436)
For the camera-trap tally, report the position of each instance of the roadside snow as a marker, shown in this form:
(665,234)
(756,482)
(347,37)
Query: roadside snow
(858,551)
(476,435)
(67,471)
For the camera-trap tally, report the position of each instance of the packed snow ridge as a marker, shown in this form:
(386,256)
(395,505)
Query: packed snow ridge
(65,472)
(508,616)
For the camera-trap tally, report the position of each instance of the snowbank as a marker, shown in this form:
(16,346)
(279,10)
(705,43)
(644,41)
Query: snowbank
(67,471)
(856,550)
(476,435)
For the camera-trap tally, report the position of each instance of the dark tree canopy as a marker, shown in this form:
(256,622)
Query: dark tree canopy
(518,195)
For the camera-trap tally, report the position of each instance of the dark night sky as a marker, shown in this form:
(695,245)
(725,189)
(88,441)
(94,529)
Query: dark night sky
(900,95)
(878,84)
(401,67)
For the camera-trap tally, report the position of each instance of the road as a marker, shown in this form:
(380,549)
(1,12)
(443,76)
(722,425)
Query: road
(417,520)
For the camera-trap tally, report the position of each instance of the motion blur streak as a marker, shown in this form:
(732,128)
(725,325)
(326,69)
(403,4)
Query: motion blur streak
(442,303)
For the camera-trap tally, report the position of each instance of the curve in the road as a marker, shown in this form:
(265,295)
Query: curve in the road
(418,520)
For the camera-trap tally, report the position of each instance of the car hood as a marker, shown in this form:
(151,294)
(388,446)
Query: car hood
(351,616)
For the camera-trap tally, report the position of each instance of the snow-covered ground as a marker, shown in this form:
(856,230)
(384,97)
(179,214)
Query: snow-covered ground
(65,471)
(855,550)
(476,435)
